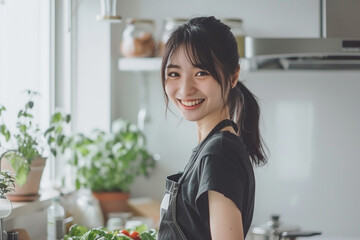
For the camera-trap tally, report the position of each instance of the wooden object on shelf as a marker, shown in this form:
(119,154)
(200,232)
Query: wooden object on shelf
(145,207)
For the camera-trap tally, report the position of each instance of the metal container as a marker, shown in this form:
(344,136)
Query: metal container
(275,230)
(236,25)
(170,24)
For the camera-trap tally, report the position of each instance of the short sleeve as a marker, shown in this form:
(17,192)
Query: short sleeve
(223,174)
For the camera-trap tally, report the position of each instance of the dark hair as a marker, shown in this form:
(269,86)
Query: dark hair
(211,46)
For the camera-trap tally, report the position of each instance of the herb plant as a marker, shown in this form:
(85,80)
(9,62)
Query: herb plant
(27,141)
(7,183)
(110,161)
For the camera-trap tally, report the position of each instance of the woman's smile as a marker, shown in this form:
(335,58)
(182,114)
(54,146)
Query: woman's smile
(191,104)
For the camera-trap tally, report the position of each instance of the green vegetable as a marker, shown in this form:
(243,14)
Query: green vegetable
(147,236)
(79,232)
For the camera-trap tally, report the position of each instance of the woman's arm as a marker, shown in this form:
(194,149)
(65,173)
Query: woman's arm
(225,218)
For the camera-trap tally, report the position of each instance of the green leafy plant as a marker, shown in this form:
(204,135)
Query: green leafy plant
(27,142)
(110,161)
(7,183)
(55,135)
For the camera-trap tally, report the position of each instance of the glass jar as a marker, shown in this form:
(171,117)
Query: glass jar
(170,24)
(137,38)
(236,25)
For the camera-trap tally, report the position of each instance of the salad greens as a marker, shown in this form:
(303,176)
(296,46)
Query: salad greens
(79,232)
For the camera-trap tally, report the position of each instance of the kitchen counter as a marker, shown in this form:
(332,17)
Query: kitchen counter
(331,237)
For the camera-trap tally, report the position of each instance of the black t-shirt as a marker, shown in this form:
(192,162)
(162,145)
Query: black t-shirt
(223,165)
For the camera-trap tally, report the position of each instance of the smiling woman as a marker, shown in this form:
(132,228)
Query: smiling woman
(200,74)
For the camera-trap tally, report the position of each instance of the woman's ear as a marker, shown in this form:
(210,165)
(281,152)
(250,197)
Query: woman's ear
(235,78)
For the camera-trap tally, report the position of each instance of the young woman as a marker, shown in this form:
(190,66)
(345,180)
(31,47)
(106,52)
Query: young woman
(213,198)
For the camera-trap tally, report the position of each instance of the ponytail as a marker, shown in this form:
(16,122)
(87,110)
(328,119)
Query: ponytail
(245,111)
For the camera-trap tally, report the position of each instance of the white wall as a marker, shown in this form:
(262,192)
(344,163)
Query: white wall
(310,119)
(311,126)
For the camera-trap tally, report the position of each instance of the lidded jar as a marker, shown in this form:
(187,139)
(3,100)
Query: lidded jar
(236,25)
(138,38)
(170,24)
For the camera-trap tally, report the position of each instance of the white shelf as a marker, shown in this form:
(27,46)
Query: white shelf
(154,64)
(139,64)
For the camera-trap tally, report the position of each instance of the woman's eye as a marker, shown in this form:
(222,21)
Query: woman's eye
(173,74)
(202,73)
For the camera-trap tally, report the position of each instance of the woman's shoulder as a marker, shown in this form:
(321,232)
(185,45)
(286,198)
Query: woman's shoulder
(223,142)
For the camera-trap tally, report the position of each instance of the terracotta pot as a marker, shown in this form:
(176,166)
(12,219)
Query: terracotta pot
(30,190)
(112,202)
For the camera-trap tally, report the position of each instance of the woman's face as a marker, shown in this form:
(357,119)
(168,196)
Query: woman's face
(195,93)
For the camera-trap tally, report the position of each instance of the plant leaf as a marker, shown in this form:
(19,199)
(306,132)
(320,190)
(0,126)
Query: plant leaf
(68,118)
(57,117)
(49,130)
(30,104)
(53,151)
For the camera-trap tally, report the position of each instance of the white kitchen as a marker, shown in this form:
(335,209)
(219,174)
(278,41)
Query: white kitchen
(307,86)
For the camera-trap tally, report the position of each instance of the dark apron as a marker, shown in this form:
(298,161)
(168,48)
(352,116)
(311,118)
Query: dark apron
(169,228)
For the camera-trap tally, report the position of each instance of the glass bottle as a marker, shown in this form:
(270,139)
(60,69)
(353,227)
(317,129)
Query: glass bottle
(137,38)
(55,220)
(236,25)
(169,25)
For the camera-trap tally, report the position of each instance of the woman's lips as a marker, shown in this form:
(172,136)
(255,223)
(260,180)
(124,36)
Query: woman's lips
(191,104)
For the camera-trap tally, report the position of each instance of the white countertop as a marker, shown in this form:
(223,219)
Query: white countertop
(330,237)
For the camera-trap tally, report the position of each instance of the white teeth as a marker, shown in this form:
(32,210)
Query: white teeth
(191,103)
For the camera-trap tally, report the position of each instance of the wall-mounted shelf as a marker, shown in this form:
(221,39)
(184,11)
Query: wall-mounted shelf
(139,64)
(144,66)
(154,64)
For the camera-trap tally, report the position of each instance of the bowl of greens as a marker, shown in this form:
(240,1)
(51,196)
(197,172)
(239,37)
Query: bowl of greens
(141,232)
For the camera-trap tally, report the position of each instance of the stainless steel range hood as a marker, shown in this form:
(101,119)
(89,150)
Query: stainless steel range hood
(338,47)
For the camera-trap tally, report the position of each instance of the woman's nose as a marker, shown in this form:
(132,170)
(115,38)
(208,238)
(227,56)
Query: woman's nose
(187,86)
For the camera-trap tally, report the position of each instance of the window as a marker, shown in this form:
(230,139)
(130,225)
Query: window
(28,53)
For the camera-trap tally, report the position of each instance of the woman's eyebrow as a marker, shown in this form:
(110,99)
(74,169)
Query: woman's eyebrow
(173,66)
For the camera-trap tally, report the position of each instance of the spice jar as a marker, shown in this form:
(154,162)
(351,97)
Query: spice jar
(170,24)
(236,25)
(137,38)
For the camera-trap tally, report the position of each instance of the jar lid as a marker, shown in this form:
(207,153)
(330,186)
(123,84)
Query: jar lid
(139,20)
(175,19)
(239,20)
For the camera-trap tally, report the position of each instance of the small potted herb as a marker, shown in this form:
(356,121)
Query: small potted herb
(109,162)
(23,150)
(7,183)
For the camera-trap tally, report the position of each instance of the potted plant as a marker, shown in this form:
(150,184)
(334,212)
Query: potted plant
(108,162)
(25,152)
(6,185)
